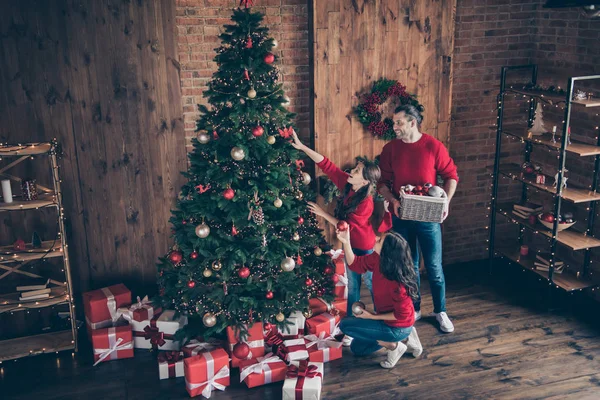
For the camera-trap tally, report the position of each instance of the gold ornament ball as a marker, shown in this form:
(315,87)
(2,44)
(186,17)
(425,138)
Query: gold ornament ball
(238,154)
(275,44)
(307,313)
(306,178)
(203,137)
(207,273)
(318,252)
(296,236)
(271,139)
(216,265)
(209,320)
(251,93)
(278,203)
(202,231)
(286,101)
(288,264)
(299,195)
(280,317)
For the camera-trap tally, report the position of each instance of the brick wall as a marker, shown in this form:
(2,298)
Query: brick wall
(199,22)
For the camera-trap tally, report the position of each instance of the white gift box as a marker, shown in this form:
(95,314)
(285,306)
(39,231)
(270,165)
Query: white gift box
(297,328)
(311,386)
(170,368)
(295,349)
(158,332)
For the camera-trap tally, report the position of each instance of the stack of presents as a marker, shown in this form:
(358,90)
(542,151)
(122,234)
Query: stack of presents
(294,354)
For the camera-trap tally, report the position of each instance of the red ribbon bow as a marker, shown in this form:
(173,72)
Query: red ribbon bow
(201,188)
(169,356)
(286,132)
(275,340)
(299,164)
(247,3)
(156,337)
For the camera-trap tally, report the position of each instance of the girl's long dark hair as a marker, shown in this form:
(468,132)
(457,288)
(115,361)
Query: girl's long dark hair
(371,173)
(396,263)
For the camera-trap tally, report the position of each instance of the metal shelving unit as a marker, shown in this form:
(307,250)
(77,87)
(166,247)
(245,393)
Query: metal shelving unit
(574,240)
(13,262)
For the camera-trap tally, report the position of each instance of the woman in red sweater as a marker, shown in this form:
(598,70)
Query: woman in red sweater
(394,289)
(355,207)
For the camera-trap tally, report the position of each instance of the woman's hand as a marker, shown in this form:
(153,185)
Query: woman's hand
(296,143)
(316,209)
(365,315)
(343,236)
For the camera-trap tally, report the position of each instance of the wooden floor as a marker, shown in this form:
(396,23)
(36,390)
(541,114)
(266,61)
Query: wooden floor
(503,348)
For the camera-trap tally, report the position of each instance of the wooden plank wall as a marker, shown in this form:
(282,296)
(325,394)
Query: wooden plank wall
(102,77)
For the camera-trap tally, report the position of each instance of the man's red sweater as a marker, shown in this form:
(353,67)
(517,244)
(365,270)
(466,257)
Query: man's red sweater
(415,163)
(362,236)
(388,296)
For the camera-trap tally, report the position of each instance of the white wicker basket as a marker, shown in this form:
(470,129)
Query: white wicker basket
(421,208)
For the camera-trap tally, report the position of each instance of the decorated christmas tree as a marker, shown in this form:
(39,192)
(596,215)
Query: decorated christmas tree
(246,247)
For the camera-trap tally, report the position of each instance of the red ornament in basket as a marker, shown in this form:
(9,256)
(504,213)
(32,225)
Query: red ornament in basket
(426,203)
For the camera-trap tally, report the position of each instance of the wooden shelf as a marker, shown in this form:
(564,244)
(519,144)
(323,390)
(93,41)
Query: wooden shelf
(569,237)
(27,149)
(37,344)
(45,200)
(578,148)
(571,194)
(49,249)
(11,302)
(565,280)
(554,97)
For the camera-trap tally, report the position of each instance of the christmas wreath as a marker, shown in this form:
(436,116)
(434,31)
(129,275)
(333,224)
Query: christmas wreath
(370,112)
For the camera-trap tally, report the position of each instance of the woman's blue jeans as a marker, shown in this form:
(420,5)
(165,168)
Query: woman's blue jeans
(355,279)
(366,333)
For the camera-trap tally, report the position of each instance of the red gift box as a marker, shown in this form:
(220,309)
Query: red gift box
(341,287)
(197,346)
(206,372)
(323,348)
(337,256)
(100,306)
(323,323)
(262,370)
(320,306)
(141,311)
(113,343)
(255,341)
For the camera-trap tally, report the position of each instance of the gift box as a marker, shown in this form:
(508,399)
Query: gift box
(303,381)
(206,372)
(319,305)
(197,346)
(341,287)
(540,178)
(294,326)
(293,350)
(255,341)
(323,348)
(141,311)
(170,364)
(337,256)
(100,306)
(262,370)
(114,343)
(159,332)
(323,323)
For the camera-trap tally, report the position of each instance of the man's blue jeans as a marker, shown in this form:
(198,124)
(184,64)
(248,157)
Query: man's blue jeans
(354,281)
(427,235)
(366,333)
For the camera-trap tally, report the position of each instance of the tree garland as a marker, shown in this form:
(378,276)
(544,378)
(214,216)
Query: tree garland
(368,112)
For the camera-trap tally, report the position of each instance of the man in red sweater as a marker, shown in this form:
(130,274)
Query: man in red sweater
(416,158)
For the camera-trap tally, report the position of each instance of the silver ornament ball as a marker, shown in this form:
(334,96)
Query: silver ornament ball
(209,320)
(306,178)
(238,154)
(288,264)
(358,307)
(203,137)
(202,230)
(275,44)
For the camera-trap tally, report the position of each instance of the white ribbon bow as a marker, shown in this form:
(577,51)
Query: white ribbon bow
(335,254)
(198,346)
(259,367)
(111,303)
(104,353)
(343,281)
(322,342)
(211,383)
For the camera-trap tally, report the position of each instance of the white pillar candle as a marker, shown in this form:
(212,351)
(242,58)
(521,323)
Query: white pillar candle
(6,191)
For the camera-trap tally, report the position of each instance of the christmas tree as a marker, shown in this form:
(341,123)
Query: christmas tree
(246,247)
(538,123)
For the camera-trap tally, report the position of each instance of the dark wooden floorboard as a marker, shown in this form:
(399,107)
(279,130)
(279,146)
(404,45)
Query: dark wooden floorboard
(506,346)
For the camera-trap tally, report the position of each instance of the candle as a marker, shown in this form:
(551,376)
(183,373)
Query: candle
(554,129)
(524,250)
(6,191)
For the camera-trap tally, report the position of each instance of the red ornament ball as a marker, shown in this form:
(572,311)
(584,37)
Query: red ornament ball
(241,350)
(268,326)
(234,230)
(308,282)
(244,272)
(300,220)
(183,222)
(249,43)
(175,257)
(191,284)
(269,295)
(320,292)
(342,226)
(194,255)
(328,270)
(258,131)
(335,278)
(228,193)
(269,58)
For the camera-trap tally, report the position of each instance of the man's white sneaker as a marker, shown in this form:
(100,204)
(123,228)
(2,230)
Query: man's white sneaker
(417,315)
(347,341)
(444,321)
(393,356)
(413,344)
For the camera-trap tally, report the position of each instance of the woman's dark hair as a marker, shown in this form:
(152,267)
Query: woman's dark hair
(396,263)
(411,112)
(371,173)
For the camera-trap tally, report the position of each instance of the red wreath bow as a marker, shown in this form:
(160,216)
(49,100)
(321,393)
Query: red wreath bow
(303,370)
(286,132)
(247,3)
(169,356)
(201,188)
(156,337)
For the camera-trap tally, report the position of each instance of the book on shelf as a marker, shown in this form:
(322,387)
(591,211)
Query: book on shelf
(544,258)
(36,297)
(36,285)
(544,267)
(520,214)
(528,207)
(25,295)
